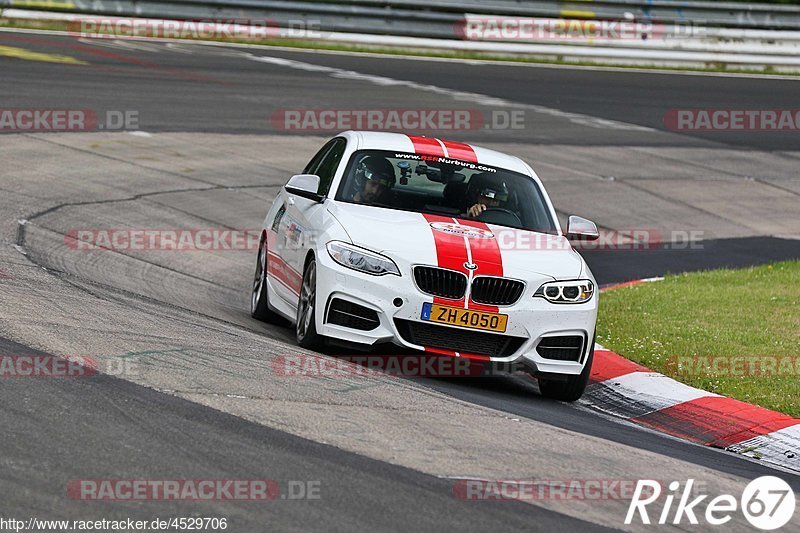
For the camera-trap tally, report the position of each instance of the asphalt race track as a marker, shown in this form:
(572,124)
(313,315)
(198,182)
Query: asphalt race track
(106,426)
(188,387)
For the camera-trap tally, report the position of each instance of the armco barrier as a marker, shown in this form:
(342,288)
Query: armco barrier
(425,18)
(725,14)
(721,34)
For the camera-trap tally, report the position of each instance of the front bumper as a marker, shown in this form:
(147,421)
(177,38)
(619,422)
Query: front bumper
(530,319)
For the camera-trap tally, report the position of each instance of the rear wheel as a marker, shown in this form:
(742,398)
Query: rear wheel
(306,328)
(259,300)
(571,389)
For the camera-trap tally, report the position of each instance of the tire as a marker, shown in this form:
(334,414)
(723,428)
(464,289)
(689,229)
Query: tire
(259,298)
(305,326)
(571,389)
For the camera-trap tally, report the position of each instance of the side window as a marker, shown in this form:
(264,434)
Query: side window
(330,162)
(314,163)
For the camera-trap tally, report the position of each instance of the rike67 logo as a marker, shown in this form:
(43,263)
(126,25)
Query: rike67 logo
(767,503)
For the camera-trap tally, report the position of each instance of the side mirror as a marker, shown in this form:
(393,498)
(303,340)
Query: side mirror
(305,186)
(579,228)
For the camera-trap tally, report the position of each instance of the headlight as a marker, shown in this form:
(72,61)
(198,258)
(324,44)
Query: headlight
(567,292)
(361,259)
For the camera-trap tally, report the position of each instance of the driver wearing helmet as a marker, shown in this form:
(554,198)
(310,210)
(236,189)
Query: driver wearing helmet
(376,176)
(489,191)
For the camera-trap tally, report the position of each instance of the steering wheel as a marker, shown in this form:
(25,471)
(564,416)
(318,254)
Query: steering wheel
(502,216)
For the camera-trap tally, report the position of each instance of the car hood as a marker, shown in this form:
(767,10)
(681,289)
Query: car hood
(414,238)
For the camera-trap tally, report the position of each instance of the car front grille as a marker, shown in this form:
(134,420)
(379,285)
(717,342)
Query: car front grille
(496,291)
(561,348)
(440,282)
(458,340)
(351,315)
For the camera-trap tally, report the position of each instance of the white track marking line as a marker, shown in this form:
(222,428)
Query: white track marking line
(480,99)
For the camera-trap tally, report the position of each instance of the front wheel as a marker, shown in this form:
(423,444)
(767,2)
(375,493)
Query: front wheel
(306,328)
(259,299)
(571,389)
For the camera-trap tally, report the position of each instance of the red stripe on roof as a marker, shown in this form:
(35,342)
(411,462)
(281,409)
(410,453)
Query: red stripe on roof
(426,145)
(460,151)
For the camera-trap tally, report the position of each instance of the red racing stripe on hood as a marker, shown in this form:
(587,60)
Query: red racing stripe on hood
(486,254)
(454,251)
(451,252)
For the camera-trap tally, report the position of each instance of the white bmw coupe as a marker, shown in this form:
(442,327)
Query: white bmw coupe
(433,245)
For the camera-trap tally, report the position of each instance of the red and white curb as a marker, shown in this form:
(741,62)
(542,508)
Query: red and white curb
(631,391)
(629,283)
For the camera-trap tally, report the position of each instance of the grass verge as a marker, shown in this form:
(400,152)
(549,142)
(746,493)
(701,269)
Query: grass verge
(732,332)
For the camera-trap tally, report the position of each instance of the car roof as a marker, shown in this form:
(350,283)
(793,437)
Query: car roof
(374,140)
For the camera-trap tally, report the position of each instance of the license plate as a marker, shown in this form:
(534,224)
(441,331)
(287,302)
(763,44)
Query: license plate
(466,318)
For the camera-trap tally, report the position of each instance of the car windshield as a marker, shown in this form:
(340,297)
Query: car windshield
(445,186)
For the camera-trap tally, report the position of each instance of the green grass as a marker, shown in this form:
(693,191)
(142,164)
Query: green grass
(443,53)
(753,312)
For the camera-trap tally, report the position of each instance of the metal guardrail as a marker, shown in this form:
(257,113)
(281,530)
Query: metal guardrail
(328,17)
(724,14)
(769,39)
(432,17)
